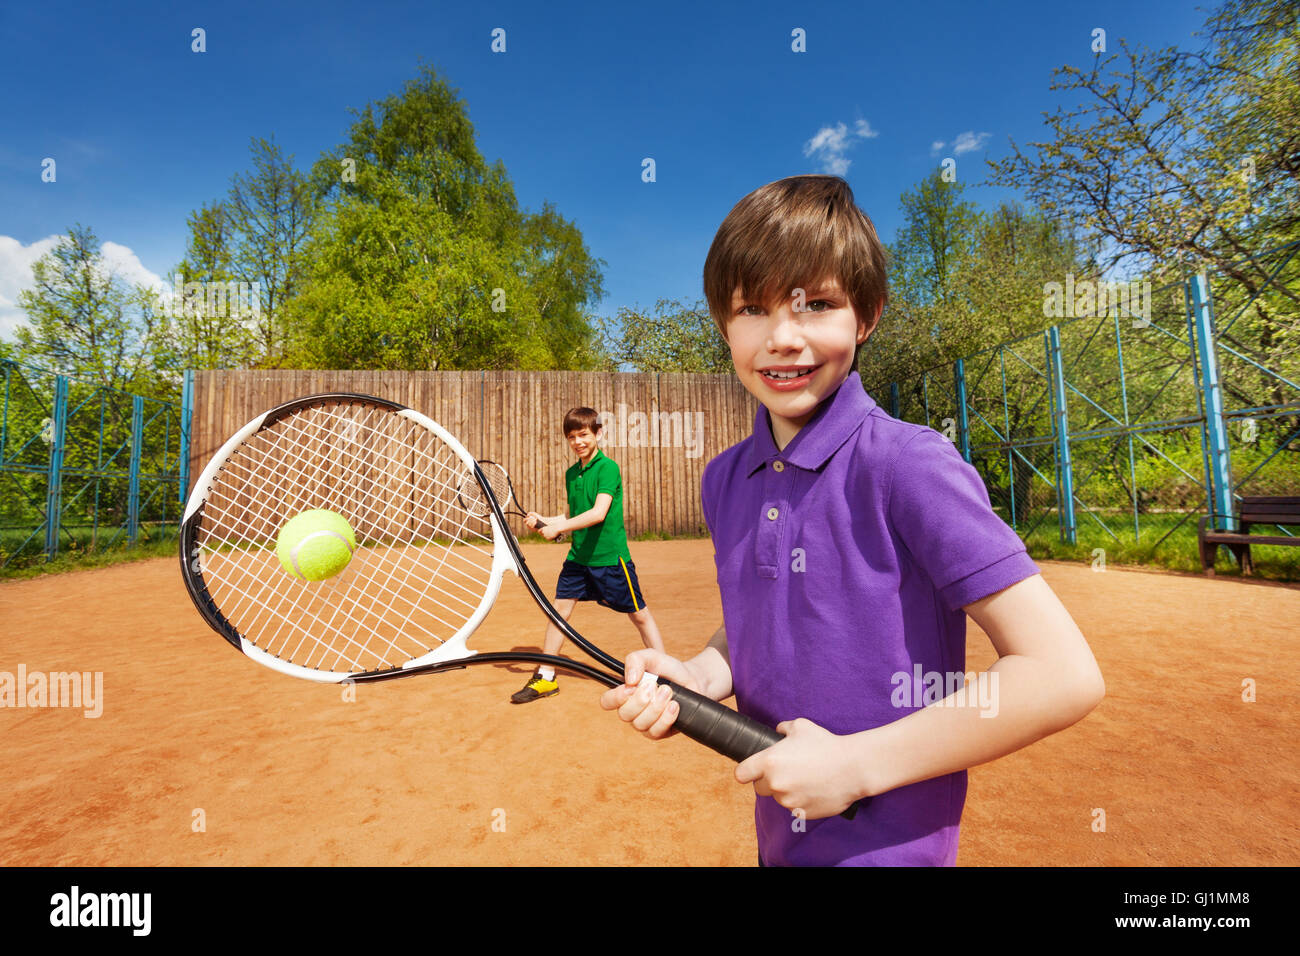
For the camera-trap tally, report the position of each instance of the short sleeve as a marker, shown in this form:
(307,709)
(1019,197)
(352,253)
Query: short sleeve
(706,497)
(939,509)
(608,479)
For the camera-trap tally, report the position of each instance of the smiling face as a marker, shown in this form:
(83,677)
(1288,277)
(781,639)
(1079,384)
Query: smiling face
(793,360)
(583,443)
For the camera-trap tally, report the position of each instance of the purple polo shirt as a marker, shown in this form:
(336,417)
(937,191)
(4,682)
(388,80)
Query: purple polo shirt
(844,563)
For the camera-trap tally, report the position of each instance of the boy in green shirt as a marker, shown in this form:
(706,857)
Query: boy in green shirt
(598,567)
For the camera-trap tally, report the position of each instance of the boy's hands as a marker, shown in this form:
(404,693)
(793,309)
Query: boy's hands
(550,530)
(648,708)
(811,770)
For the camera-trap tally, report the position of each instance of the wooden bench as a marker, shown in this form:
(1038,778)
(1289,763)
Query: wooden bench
(1278,511)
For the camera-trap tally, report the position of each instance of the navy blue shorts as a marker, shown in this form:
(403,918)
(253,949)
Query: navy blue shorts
(613,586)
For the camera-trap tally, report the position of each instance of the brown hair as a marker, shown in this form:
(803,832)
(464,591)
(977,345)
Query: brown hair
(576,419)
(795,233)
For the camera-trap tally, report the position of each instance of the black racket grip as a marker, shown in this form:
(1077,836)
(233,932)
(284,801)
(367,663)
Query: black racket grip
(542,524)
(722,729)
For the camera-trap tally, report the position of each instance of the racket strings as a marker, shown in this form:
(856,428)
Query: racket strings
(470,492)
(467,592)
(279,449)
(423,560)
(369,511)
(296,611)
(291,609)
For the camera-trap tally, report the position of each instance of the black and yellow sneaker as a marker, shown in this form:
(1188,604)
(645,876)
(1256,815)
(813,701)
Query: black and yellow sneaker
(536,688)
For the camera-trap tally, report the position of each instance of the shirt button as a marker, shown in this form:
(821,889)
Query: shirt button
(778,466)
(772,513)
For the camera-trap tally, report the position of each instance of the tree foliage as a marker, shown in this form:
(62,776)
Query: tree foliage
(963,279)
(272,209)
(85,320)
(673,338)
(423,260)
(1179,156)
(199,334)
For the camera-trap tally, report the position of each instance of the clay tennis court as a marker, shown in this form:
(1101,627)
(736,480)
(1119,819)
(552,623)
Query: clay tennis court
(443,770)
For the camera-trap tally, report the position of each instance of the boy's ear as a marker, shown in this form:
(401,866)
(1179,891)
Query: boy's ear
(865,328)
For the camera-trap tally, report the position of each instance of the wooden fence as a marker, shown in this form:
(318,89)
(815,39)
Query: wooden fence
(661,429)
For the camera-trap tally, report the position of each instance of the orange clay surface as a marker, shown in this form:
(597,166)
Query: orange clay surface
(443,770)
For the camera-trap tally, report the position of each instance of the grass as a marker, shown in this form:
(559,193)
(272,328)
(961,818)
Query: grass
(81,560)
(1177,552)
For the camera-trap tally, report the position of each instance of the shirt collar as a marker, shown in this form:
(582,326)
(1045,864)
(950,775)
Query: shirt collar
(832,424)
(582,467)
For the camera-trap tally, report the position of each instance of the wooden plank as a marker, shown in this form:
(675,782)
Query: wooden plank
(515,417)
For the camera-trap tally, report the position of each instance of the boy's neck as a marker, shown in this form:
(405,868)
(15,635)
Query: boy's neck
(784,429)
(590,455)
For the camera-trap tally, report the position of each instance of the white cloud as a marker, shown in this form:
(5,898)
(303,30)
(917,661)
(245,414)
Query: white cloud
(969,141)
(935,147)
(16,273)
(15,276)
(830,144)
(130,269)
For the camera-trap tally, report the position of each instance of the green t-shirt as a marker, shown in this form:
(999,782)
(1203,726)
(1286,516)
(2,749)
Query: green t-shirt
(605,543)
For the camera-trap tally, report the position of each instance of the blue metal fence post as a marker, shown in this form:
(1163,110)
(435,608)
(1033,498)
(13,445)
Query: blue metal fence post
(893,399)
(133,486)
(187,410)
(54,475)
(963,432)
(1061,434)
(1215,432)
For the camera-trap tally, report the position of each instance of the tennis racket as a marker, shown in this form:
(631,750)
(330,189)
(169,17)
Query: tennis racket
(426,571)
(469,493)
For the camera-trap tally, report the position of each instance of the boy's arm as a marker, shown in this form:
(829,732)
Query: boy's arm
(712,667)
(559,524)
(1044,680)
(594,516)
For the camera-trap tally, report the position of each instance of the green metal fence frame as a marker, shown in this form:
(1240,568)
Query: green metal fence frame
(1203,350)
(142,484)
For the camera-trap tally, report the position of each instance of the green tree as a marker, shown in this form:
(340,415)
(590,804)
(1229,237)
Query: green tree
(674,338)
(936,237)
(421,258)
(255,239)
(925,321)
(203,331)
(1190,160)
(87,321)
(273,208)
(1178,156)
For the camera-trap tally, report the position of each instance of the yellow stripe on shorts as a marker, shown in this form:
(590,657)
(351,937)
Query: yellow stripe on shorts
(628,578)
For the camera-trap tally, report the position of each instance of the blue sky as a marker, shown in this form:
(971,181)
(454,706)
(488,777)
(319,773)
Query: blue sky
(145,131)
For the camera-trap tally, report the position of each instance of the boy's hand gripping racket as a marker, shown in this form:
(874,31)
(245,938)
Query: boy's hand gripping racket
(469,493)
(430,556)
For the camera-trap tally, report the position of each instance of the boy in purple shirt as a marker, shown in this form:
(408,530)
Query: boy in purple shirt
(850,547)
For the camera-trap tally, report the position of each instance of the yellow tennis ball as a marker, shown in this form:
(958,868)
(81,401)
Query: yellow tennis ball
(315,544)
